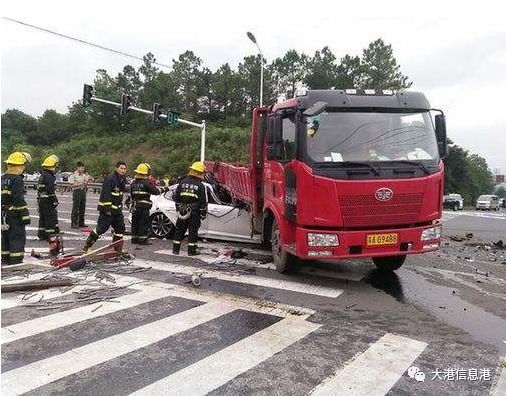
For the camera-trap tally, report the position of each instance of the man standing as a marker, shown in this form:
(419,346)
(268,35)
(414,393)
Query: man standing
(191,204)
(140,191)
(15,214)
(79,180)
(46,196)
(110,208)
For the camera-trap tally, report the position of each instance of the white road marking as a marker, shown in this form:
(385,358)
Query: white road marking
(63,220)
(219,368)
(71,316)
(375,371)
(42,372)
(282,284)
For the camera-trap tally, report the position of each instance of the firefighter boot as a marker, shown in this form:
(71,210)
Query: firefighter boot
(119,246)
(176,247)
(192,250)
(92,238)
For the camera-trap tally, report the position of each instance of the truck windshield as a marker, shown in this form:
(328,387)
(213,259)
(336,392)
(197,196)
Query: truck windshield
(337,136)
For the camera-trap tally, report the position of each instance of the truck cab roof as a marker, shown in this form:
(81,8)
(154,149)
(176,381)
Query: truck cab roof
(359,98)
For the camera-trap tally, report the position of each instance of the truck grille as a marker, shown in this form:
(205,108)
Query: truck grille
(364,210)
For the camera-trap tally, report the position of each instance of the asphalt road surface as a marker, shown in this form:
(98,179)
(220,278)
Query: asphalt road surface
(436,326)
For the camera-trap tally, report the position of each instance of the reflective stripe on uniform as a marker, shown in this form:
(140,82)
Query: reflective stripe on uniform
(5,252)
(187,194)
(17,254)
(118,235)
(114,207)
(105,203)
(192,244)
(8,192)
(143,201)
(18,207)
(140,192)
(142,237)
(177,242)
(116,194)
(25,218)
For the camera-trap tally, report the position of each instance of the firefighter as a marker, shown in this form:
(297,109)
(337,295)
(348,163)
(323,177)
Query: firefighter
(15,214)
(110,208)
(190,198)
(47,202)
(140,191)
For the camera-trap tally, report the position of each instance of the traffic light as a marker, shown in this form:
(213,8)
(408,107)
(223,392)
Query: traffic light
(87,95)
(157,112)
(126,102)
(172,117)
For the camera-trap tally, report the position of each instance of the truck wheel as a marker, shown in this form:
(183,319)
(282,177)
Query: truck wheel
(455,207)
(284,262)
(390,263)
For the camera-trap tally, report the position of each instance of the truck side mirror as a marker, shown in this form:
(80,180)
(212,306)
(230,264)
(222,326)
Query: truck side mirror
(441,135)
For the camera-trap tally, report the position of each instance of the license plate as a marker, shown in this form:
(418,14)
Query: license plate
(381,239)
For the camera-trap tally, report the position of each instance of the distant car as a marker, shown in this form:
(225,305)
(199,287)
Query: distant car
(65,176)
(224,221)
(488,202)
(502,203)
(453,201)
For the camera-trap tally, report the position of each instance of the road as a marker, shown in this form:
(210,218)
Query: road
(332,328)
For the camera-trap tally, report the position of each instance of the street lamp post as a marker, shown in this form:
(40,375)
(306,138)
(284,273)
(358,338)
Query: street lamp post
(252,38)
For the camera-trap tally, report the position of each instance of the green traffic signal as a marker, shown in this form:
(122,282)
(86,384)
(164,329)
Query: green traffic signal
(172,117)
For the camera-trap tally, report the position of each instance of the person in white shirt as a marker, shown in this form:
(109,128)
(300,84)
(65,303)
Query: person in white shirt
(79,180)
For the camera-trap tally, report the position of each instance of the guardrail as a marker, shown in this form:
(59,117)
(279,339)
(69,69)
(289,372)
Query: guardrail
(62,187)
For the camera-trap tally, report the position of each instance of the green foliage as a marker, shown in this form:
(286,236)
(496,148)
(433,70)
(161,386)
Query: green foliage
(466,174)
(500,191)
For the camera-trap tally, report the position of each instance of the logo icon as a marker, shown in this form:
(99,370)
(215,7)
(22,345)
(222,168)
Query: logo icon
(415,373)
(383,194)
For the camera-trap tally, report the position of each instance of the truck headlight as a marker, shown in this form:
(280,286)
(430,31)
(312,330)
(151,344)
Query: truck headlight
(322,239)
(431,233)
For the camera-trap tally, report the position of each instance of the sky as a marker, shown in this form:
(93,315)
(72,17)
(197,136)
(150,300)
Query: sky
(457,57)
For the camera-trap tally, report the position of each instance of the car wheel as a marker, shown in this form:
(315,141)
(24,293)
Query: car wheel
(284,262)
(455,207)
(161,226)
(390,263)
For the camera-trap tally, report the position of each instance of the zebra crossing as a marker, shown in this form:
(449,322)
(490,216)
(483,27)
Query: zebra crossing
(82,349)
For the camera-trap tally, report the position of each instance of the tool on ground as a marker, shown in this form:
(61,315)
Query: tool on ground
(98,254)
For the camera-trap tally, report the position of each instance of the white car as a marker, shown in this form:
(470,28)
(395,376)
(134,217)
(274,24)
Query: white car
(224,221)
(488,202)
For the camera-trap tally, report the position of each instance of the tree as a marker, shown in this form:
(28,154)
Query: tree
(288,72)
(500,191)
(380,69)
(322,70)
(349,72)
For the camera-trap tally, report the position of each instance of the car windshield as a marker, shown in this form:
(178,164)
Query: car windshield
(485,197)
(337,136)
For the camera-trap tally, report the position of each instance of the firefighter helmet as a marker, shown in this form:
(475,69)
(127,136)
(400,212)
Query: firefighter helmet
(198,167)
(16,158)
(50,162)
(142,169)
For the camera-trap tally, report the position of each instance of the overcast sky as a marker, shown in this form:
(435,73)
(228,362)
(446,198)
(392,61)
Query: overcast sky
(456,57)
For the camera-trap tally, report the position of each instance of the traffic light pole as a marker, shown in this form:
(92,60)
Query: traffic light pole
(201,126)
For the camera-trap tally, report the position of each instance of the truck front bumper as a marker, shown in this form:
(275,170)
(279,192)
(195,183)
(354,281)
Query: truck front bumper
(353,244)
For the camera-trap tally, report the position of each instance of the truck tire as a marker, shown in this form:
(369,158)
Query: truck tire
(389,263)
(284,262)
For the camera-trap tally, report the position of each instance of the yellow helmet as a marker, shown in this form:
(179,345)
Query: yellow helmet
(198,167)
(17,158)
(50,162)
(142,169)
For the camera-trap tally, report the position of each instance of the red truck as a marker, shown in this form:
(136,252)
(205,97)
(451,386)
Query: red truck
(343,174)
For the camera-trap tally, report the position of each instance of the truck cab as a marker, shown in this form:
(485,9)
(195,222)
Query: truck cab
(352,174)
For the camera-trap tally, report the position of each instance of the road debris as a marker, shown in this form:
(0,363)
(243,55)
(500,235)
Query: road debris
(36,284)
